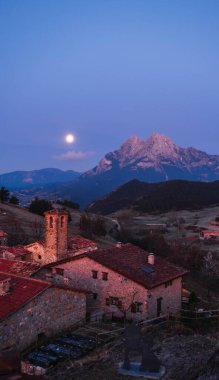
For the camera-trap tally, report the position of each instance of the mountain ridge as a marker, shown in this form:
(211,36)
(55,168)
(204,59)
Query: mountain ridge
(157,151)
(156,159)
(158,197)
(25,179)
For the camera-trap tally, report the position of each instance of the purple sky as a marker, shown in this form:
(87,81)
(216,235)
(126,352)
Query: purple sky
(105,70)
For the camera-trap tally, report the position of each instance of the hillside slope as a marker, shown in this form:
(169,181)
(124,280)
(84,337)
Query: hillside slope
(165,196)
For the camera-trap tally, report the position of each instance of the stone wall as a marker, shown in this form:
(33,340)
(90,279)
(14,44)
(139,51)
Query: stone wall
(37,252)
(55,246)
(171,297)
(56,222)
(49,313)
(79,273)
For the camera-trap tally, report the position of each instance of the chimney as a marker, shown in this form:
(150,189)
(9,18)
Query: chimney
(118,244)
(5,286)
(151,258)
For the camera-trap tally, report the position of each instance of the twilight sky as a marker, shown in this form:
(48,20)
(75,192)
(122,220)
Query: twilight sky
(105,70)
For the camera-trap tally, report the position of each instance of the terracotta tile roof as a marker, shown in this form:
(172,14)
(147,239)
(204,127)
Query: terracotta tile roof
(3,233)
(78,242)
(75,243)
(17,251)
(22,291)
(213,232)
(43,243)
(19,268)
(129,261)
(65,260)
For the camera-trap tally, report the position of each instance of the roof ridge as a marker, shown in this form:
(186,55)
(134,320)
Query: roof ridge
(26,278)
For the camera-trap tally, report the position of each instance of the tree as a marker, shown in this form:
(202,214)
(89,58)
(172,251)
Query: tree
(193,300)
(210,271)
(98,226)
(4,194)
(210,266)
(40,206)
(37,228)
(127,304)
(14,200)
(69,204)
(85,225)
(17,235)
(92,226)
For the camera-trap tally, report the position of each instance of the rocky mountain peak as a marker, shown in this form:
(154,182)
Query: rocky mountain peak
(160,145)
(160,156)
(132,140)
(131,147)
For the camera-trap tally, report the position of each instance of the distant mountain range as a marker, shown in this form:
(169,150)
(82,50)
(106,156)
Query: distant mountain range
(27,179)
(164,196)
(157,159)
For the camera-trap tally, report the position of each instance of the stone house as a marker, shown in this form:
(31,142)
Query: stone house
(31,309)
(209,235)
(124,280)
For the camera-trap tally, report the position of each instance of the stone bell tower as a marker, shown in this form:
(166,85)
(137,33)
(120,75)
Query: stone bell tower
(56,235)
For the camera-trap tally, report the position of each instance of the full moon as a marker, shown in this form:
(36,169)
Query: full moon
(69,138)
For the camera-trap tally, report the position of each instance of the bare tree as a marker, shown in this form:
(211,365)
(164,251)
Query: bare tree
(210,271)
(37,229)
(129,303)
(210,266)
(17,235)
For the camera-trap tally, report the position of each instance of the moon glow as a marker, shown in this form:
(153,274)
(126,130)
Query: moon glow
(69,138)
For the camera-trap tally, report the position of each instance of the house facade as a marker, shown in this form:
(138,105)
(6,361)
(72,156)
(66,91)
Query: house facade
(125,281)
(31,309)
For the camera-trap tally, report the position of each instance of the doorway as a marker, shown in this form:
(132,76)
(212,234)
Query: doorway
(159,306)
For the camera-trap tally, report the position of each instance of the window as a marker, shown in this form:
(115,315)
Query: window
(60,271)
(94,273)
(168,283)
(94,296)
(136,307)
(104,276)
(39,257)
(114,301)
(51,222)
(62,221)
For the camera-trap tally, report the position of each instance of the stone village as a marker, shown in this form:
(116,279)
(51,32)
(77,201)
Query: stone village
(49,286)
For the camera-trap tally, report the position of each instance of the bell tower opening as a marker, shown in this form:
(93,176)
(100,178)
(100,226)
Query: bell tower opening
(51,222)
